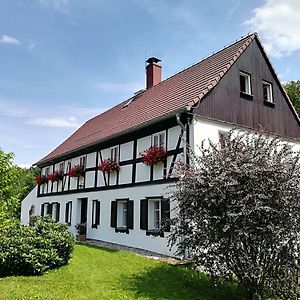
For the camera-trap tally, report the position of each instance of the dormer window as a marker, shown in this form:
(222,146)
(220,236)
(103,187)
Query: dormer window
(158,140)
(267,92)
(114,153)
(245,83)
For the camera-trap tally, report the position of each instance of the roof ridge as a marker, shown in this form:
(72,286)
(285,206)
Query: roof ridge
(208,56)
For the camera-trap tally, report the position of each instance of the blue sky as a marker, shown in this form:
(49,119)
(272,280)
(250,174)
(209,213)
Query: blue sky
(65,61)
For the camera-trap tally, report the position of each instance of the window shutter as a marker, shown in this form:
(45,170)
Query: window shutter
(129,214)
(113,215)
(67,212)
(98,213)
(165,212)
(42,210)
(144,214)
(57,212)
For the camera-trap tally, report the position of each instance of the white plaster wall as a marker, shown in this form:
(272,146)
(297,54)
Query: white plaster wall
(136,237)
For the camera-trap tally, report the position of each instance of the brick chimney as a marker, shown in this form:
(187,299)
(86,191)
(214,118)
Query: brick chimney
(153,72)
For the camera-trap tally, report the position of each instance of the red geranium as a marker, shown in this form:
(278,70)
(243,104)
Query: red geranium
(56,176)
(108,166)
(77,171)
(41,179)
(154,155)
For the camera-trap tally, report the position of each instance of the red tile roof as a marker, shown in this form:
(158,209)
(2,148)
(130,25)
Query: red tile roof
(173,94)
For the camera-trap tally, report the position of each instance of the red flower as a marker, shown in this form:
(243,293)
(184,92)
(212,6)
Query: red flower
(41,179)
(108,166)
(56,176)
(77,171)
(154,155)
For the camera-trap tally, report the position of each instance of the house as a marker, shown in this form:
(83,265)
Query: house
(236,86)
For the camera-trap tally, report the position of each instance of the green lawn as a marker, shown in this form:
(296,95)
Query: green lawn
(96,273)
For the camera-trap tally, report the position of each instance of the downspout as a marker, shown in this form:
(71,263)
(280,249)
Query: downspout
(178,116)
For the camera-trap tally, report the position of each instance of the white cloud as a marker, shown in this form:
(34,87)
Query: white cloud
(59,5)
(6,39)
(69,122)
(278,23)
(31,46)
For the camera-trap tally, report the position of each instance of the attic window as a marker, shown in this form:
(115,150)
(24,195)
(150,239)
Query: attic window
(245,83)
(267,92)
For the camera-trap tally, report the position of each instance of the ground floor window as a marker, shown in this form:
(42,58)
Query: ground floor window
(68,213)
(46,209)
(153,211)
(55,211)
(95,213)
(122,215)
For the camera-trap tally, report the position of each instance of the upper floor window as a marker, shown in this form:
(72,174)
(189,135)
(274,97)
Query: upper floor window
(61,166)
(114,153)
(158,140)
(267,92)
(245,83)
(82,161)
(47,171)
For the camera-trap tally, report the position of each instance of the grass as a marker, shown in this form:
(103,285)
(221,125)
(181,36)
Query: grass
(95,273)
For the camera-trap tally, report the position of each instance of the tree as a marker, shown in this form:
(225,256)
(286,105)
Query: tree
(293,90)
(15,184)
(238,213)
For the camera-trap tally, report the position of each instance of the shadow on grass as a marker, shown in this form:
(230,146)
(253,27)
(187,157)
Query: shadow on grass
(97,247)
(170,282)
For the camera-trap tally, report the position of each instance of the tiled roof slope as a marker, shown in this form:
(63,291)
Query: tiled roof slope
(184,88)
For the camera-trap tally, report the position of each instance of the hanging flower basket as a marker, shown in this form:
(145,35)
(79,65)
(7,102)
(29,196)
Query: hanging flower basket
(109,166)
(153,155)
(41,179)
(56,176)
(77,171)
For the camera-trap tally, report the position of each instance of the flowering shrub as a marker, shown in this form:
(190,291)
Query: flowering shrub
(77,171)
(108,166)
(41,179)
(56,176)
(154,155)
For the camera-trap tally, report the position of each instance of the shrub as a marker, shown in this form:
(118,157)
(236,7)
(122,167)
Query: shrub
(32,250)
(239,213)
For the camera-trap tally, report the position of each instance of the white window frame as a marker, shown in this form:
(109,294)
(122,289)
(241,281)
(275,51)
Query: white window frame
(114,153)
(153,210)
(122,213)
(47,171)
(61,167)
(269,91)
(69,216)
(247,78)
(159,139)
(54,209)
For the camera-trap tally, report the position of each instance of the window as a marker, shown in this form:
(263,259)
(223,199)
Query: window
(46,209)
(152,213)
(158,140)
(114,153)
(68,213)
(61,166)
(245,83)
(223,136)
(267,92)
(55,211)
(122,215)
(82,161)
(95,213)
(47,171)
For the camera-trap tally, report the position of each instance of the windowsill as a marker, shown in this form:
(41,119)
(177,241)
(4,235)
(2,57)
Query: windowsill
(122,230)
(155,232)
(246,96)
(269,103)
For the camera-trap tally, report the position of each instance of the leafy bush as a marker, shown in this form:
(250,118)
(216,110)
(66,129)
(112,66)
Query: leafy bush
(32,250)
(239,213)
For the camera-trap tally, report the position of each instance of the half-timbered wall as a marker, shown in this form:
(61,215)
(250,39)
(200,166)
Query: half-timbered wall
(132,170)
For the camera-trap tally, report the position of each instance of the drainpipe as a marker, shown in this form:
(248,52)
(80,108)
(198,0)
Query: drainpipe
(178,115)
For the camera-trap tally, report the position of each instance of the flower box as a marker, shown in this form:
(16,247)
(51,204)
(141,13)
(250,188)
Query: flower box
(109,166)
(41,179)
(153,155)
(77,171)
(56,176)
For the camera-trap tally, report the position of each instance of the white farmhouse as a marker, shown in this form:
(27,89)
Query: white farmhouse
(236,86)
